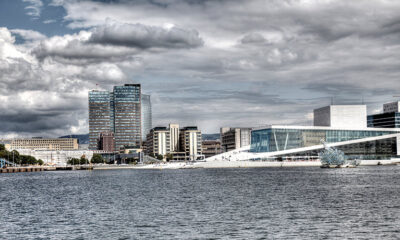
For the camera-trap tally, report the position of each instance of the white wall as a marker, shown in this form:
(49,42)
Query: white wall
(349,116)
(341,116)
(398,146)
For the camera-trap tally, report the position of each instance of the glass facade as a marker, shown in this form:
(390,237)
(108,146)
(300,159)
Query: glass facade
(99,116)
(118,112)
(147,124)
(371,150)
(384,120)
(127,115)
(278,139)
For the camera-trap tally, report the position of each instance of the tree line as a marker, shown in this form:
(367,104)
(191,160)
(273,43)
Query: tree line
(14,156)
(96,158)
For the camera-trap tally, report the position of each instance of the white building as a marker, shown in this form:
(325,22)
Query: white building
(190,141)
(341,116)
(59,158)
(174,137)
(158,141)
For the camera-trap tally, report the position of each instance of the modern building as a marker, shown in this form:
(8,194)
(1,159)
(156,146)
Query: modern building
(107,142)
(42,143)
(147,119)
(234,138)
(391,107)
(341,126)
(390,118)
(127,116)
(174,134)
(190,142)
(119,112)
(211,148)
(366,143)
(341,116)
(187,143)
(158,141)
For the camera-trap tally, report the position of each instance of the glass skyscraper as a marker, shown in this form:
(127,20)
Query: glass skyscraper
(118,112)
(147,123)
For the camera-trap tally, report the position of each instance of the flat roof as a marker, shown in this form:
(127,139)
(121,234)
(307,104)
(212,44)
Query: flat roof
(326,128)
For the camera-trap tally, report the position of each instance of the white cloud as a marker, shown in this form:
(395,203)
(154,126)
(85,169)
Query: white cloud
(34,8)
(28,34)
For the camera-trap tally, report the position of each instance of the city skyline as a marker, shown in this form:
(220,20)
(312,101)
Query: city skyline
(204,63)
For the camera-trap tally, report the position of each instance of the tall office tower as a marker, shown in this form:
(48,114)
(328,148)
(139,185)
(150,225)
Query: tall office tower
(147,121)
(100,119)
(118,112)
(127,120)
(174,136)
(190,139)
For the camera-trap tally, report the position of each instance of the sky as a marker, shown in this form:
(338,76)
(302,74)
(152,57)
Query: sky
(209,63)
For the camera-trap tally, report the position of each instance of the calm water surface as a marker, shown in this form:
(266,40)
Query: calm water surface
(257,203)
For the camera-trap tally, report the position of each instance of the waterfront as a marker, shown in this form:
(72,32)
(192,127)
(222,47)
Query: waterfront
(279,203)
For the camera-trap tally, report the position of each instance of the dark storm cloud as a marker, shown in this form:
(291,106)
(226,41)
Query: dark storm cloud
(143,37)
(210,63)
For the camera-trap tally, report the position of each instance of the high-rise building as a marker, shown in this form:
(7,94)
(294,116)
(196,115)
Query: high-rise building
(158,141)
(118,112)
(127,120)
(190,142)
(147,122)
(174,136)
(234,138)
(100,118)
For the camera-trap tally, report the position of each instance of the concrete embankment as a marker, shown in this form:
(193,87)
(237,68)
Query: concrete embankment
(244,164)
(253,164)
(22,169)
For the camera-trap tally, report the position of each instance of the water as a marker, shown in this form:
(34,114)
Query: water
(257,203)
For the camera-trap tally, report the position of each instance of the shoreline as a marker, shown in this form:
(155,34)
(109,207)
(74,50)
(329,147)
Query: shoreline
(239,164)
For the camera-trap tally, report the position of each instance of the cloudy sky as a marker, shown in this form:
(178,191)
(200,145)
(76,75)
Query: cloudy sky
(207,63)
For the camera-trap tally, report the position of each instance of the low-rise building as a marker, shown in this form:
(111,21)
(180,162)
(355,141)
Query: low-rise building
(211,148)
(390,118)
(59,144)
(234,138)
(158,141)
(190,142)
(107,141)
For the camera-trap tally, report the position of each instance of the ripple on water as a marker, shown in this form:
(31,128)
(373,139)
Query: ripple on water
(278,203)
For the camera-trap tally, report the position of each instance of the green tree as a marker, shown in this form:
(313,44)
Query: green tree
(160,157)
(2,147)
(83,160)
(40,162)
(74,161)
(169,156)
(97,158)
